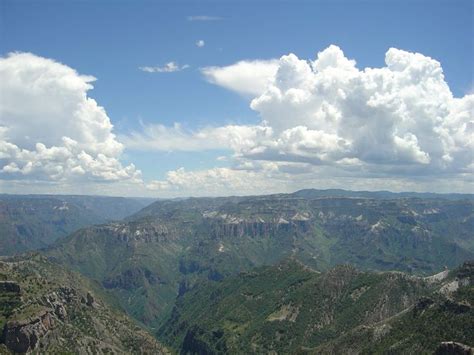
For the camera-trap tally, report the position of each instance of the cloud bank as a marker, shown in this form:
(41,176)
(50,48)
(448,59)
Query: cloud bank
(397,123)
(50,130)
(323,123)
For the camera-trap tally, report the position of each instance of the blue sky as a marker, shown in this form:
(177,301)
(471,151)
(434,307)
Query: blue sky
(111,40)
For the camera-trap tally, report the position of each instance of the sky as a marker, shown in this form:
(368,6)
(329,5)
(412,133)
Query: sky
(205,98)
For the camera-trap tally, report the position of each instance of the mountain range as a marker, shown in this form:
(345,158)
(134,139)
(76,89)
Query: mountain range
(30,222)
(169,246)
(313,271)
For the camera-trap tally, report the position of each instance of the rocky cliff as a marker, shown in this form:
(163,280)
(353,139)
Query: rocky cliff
(45,308)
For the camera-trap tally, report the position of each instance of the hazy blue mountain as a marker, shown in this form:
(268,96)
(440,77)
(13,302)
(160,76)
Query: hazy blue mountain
(29,222)
(109,208)
(314,193)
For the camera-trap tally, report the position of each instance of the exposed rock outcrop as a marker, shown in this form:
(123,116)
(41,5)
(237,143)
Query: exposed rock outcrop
(23,336)
(453,348)
(58,311)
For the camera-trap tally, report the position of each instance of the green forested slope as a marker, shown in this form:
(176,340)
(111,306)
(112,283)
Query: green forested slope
(47,309)
(289,309)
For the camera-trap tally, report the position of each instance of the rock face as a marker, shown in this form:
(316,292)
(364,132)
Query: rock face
(453,348)
(24,336)
(47,309)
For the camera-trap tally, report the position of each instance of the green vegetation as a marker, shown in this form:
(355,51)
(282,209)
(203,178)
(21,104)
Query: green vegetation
(421,328)
(35,221)
(285,307)
(289,309)
(171,245)
(259,274)
(47,309)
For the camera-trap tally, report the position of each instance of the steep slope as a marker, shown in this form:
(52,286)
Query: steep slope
(288,308)
(446,315)
(285,308)
(167,247)
(47,309)
(35,221)
(138,262)
(415,235)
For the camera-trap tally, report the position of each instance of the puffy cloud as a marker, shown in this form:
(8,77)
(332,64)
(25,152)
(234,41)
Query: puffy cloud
(169,67)
(327,123)
(200,43)
(401,118)
(245,77)
(324,123)
(216,181)
(50,129)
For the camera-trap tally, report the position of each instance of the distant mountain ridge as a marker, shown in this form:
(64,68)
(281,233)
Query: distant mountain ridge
(29,222)
(105,207)
(312,193)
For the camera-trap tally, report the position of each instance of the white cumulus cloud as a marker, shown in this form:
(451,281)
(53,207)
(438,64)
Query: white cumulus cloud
(256,178)
(200,43)
(401,116)
(323,123)
(245,77)
(50,129)
(213,182)
(390,127)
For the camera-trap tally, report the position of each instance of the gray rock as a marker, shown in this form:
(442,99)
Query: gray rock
(23,336)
